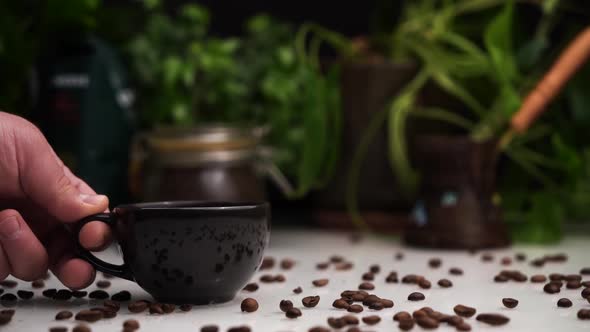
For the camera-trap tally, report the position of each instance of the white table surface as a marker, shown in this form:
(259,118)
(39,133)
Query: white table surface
(536,311)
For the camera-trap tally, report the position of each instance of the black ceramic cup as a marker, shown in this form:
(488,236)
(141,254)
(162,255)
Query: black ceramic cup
(186,251)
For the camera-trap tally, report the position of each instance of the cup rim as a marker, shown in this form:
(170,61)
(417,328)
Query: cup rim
(187,205)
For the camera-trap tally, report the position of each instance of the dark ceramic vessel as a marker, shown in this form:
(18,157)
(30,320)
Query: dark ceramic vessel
(187,252)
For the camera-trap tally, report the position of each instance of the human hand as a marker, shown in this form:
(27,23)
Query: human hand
(38,195)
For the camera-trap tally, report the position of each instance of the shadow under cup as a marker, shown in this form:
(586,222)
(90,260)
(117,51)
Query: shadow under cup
(187,252)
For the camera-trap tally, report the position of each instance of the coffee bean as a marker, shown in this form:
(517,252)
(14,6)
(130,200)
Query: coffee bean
(584,314)
(79,294)
(564,303)
(310,301)
(340,304)
(107,276)
(297,290)
(510,302)
(399,256)
(38,284)
(344,266)
(63,295)
(122,296)
(10,312)
(557,283)
(131,324)
(387,303)
(89,315)
(487,257)
(242,328)
(573,284)
(585,293)
(376,306)
(336,323)
(538,278)
(319,329)
(249,305)
(210,328)
(355,308)
(185,307)
(366,286)
(410,279)
(375,268)
(556,258)
(434,263)
(402,315)
(416,296)
(267,263)
(64,314)
(500,278)
(573,277)
(445,283)
(336,259)
(424,284)
(427,322)
(406,324)
(492,319)
(452,320)
(251,287)
(8,283)
(586,283)
(585,271)
(98,295)
(267,278)
(287,264)
(521,257)
(391,277)
(359,297)
(456,271)
(370,299)
(350,320)
(551,288)
(5,318)
(106,312)
(293,313)
(8,297)
(538,262)
(103,284)
(156,309)
(137,306)
(322,266)
(506,261)
(320,282)
(464,311)
(168,307)
(463,327)
(81,328)
(112,305)
(25,295)
(58,329)
(371,320)
(556,276)
(368,276)
(285,305)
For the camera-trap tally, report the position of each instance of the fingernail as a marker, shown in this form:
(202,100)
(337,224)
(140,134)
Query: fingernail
(92,199)
(9,228)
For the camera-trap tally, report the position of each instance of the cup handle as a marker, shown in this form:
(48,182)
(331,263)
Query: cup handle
(121,271)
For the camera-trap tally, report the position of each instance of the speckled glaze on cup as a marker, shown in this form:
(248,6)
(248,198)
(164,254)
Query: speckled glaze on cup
(187,251)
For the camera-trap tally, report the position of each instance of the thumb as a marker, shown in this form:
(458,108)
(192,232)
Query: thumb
(45,180)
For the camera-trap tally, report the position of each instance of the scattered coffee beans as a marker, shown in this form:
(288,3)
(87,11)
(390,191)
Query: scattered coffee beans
(103,284)
(287,264)
(556,277)
(63,295)
(138,306)
(89,315)
(8,297)
(336,323)
(406,324)
(320,282)
(416,296)
(456,271)
(285,305)
(368,276)
(249,305)
(445,283)
(584,314)
(81,328)
(387,303)
(58,329)
(242,328)
(551,288)
(371,320)
(350,320)
(113,305)
(564,303)
(322,266)
(310,301)
(487,257)
(500,278)
(122,296)
(585,293)
(434,263)
(344,266)
(8,283)
(424,284)
(186,307)
(131,324)
(537,278)
(355,308)
(510,302)
(402,315)
(79,294)
(573,284)
(106,312)
(297,290)
(464,311)
(156,309)
(366,286)
(319,329)
(65,314)
(585,271)
(520,257)
(98,295)
(427,322)
(251,287)
(210,328)
(340,304)
(492,319)
(25,295)
(38,284)
(399,256)
(336,259)
(506,261)
(293,313)
(267,263)
(463,327)
(375,268)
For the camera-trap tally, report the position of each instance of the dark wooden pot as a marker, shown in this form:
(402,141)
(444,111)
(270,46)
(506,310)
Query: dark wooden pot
(455,209)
